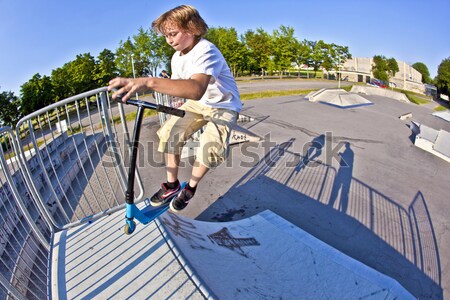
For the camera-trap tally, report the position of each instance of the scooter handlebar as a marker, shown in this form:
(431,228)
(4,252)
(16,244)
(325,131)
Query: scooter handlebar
(158,107)
(170,110)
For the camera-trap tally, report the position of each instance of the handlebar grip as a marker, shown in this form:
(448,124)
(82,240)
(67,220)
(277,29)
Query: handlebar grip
(120,96)
(170,110)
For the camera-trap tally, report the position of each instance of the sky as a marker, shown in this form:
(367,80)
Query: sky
(40,36)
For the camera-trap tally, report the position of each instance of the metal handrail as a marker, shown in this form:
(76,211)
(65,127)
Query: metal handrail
(91,134)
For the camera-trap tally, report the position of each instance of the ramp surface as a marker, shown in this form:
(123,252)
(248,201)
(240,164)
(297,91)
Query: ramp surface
(432,140)
(98,261)
(372,90)
(261,257)
(445,115)
(266,257)
(337,97)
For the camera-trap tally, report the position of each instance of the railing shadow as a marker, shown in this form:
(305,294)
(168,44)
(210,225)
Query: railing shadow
(342,211)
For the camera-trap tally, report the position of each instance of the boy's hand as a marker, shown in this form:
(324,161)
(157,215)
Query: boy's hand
(121,92)
(126,87)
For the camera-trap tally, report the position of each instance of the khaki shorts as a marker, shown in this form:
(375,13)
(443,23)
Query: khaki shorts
(213,148)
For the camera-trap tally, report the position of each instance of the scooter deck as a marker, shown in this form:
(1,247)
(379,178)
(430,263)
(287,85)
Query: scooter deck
(152,213)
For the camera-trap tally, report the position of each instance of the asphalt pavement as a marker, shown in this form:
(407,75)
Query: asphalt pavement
(350,177)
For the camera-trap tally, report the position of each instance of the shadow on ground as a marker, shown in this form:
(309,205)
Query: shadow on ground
(344,212)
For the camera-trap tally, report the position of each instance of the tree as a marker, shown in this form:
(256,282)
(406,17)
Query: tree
(443,77)
(81,73)
(9,108)
(302,53)
(233,50)
(318,54)
(260,46)
(379,68)
(422,69)
(284,45)
(335,56)
(105,68)
(384,68)
(123,58)
(61,83)
(392,67)
(150,52)
(36,93)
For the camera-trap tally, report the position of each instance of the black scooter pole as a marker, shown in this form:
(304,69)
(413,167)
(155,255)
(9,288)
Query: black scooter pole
(134,149)
(141,105)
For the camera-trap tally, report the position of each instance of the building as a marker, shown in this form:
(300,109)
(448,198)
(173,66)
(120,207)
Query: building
(359,69)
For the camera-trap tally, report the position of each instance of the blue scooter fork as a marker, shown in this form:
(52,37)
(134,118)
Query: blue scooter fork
(146,214)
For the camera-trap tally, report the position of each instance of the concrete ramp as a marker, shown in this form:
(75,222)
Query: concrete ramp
(432,140)
(262,257)
(372,90)
(266,257)
(445,115)
(337,97)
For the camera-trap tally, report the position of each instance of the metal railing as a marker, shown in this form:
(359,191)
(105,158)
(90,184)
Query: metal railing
(74,153)
(24,233)
(64,165)
(174,102)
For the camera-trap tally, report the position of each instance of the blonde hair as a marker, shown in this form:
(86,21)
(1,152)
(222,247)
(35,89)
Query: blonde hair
(184,17)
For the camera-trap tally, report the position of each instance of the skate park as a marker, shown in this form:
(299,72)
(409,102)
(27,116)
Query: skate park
(365,208)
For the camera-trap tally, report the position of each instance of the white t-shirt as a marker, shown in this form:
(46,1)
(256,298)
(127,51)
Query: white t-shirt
(205,58)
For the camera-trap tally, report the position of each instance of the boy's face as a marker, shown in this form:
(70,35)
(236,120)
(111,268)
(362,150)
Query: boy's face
(177,38)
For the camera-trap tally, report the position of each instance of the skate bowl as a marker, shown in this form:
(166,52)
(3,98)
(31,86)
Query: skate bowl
(260,257)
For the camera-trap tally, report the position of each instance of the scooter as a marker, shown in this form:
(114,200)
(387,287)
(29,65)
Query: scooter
(147,213)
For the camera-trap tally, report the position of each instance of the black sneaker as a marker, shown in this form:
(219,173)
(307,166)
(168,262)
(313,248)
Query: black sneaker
(181,201)
(164,195)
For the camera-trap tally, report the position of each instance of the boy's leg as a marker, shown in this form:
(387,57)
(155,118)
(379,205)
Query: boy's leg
(172,163)
(198,171)
(183,198)
(211,152)
(172,136)
(172,187)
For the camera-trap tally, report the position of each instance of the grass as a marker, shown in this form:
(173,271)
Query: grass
(347,88)
(293,74)
(132,116)
(415,98)
(270,94)
(440,108)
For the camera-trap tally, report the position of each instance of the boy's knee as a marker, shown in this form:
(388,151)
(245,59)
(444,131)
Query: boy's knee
(211,154)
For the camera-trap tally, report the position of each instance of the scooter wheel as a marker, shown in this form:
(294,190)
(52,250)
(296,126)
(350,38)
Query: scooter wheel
(129,228)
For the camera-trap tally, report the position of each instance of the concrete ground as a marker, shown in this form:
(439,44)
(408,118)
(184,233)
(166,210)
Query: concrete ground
(350,177)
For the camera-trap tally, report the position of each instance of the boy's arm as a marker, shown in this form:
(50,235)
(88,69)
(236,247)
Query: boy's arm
(193,88)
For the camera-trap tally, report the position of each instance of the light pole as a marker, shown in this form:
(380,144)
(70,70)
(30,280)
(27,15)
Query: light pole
(134,74)
(339,78)
(339,73)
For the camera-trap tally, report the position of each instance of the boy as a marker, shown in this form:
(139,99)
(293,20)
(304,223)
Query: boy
(201,74)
